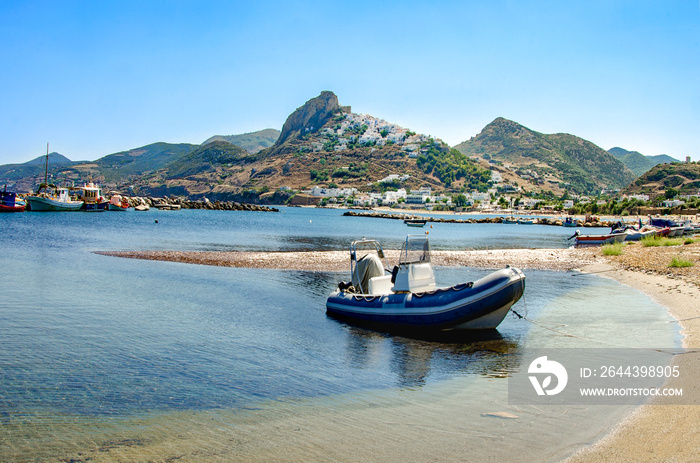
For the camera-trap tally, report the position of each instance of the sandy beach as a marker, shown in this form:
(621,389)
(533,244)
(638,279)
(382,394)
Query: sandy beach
(652,433)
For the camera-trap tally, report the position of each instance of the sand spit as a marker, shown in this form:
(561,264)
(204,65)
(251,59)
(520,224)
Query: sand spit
(339,261)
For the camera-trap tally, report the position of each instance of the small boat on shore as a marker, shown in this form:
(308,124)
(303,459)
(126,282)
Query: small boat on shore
(570,222)
(9,202)
(608,238)
(407,297)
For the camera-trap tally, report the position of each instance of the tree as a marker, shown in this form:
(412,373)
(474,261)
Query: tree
(459,200)
(671,193)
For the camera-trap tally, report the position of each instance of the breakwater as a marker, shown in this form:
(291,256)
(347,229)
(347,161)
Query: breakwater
(182,203)
(537,221)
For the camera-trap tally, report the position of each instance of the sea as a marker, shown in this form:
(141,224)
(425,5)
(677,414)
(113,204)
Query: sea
(111,359)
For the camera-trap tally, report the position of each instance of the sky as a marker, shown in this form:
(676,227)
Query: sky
(96,78)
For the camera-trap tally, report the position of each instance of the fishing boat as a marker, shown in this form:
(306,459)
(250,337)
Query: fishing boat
(525,221)
(408,298)
(9,202)
(598,239)
(510,221)
(570,222)
(118,203)
(91,195)
(57,200)
(49,197)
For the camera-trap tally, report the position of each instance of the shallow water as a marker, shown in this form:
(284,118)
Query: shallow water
(161,360)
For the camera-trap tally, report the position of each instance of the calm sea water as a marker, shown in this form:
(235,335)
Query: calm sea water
(90,343)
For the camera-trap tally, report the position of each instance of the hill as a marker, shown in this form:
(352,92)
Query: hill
(683,177)
(251,142)
(637,162)
(321,143)
(54,159)
(129,165)
(557,160)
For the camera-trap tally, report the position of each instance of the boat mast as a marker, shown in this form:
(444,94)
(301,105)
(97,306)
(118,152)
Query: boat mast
(46,171)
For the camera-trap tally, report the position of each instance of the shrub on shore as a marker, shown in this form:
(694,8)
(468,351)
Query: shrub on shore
(678,261)
(662,241)
(612,249)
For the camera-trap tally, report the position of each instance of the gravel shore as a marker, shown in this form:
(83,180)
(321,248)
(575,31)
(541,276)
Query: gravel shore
(339,261)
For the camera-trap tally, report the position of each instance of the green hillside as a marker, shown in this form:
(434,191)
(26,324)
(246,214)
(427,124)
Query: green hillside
(251,142)
(637,162)
(684,178)
(122,166)
(207,158)
(562,159)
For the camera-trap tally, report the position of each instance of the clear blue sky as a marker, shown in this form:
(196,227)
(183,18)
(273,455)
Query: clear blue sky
(94,78)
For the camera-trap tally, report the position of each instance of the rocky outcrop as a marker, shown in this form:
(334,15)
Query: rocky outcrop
(310,117)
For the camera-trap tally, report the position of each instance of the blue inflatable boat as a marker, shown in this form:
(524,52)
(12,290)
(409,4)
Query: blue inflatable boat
(408,298)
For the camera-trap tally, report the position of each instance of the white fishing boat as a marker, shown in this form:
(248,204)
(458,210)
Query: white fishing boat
(58,200)
(408,298)
(50,197)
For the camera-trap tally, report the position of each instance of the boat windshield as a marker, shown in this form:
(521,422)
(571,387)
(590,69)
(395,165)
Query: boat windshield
(415,250)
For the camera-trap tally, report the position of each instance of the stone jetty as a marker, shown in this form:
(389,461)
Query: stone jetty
(428,218)
(183,203)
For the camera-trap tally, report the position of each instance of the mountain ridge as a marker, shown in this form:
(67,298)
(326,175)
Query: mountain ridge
(637,162)
(323,144)
(562,159)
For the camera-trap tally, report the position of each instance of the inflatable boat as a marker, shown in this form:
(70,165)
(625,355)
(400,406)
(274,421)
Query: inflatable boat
(407,296)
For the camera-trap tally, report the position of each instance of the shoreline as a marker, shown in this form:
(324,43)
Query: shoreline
(653,432)
(656,432)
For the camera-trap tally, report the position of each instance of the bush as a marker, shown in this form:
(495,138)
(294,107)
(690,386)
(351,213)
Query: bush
(613,249)
(678,261)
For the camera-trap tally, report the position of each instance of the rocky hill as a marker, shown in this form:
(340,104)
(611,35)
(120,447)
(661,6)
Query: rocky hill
(557,161)
(682,177)
(637,162)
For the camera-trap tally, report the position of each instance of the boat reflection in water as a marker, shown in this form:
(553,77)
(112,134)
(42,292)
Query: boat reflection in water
(437,355)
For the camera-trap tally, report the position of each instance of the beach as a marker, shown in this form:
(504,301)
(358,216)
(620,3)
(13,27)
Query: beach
(651,433)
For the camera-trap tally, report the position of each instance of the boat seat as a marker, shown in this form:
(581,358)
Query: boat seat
(380,285)
(421,277)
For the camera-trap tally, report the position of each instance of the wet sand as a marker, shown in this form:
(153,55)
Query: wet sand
(652,433)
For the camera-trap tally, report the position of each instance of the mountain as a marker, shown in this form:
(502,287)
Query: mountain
(125,165)
(684,177)
(325,144)
(251,142)
(321,143)
(55,159)
(637,162)
(555,160)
